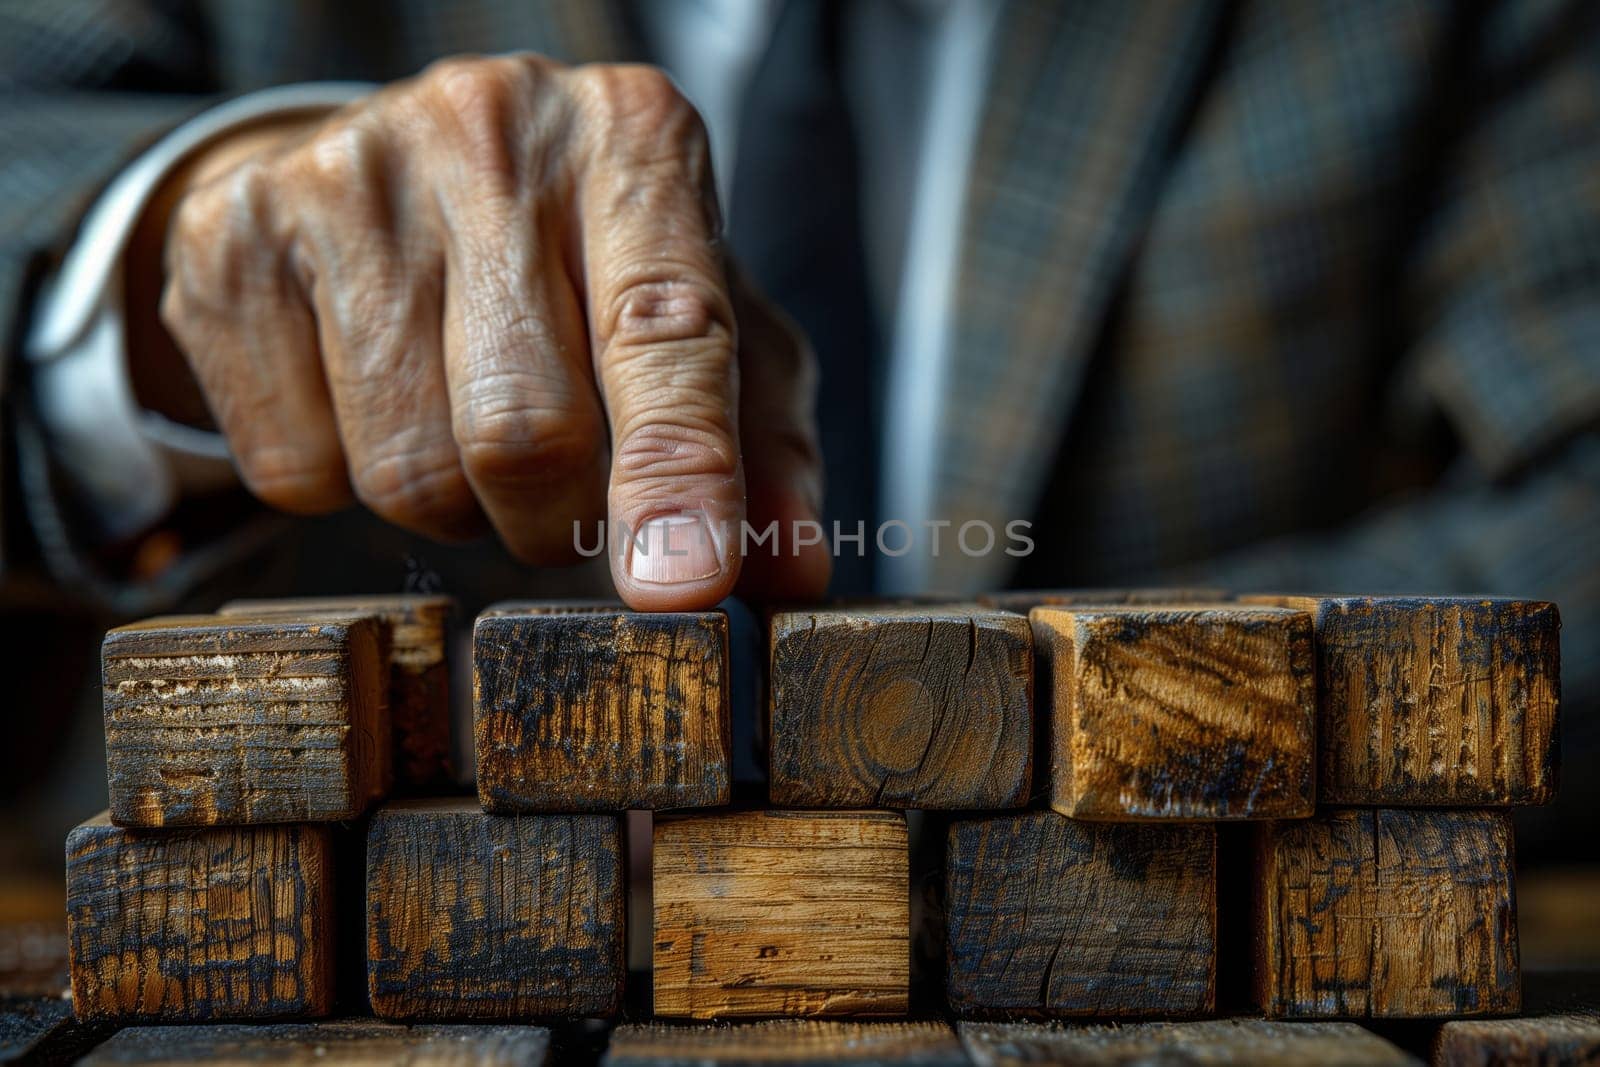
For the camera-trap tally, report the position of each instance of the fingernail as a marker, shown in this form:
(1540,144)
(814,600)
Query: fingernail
(671,549)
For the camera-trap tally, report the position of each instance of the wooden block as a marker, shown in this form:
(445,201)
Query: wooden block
(1178,712)
(473,916)
(37,1029)
(420,628)
(1386,914)
(1438,701)
(787,1043)
(597,709)
(781,913)
(345,1043)
(230,922)
(901,708)
(212,720)
(1258,1042)
(1023,601)
(1553,1040)
(1048,915)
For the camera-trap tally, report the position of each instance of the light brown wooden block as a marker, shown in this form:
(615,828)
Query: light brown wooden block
(1436,701)
(219,923)
(791,1042)
(589,707)
(781,913)
(1023,601)
(419,674)
(1258,1042)
(901,707)
(1386,914)
(1046,915)
(214,719)
(1177,712)
(474,916)
(345,1043)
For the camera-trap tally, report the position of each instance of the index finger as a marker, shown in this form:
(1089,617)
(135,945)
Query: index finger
(662,326)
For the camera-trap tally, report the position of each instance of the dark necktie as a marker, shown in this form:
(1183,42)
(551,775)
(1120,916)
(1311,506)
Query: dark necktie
(795,225)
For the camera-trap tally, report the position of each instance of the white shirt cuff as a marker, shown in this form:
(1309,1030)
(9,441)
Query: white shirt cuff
(132,464)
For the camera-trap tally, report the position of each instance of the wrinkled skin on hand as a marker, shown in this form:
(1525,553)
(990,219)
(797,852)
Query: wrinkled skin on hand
(493,296)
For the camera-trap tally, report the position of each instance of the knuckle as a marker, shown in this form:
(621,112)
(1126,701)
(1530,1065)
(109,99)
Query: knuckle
(526,447)
(414,486)
(293,479)
(476,92)
(658,311)
(640,98)
(695,446)
(339,160)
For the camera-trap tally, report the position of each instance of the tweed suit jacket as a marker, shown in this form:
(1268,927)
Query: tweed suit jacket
(1269,294)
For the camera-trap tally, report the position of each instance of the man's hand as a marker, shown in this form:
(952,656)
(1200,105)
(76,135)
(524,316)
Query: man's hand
(494,291)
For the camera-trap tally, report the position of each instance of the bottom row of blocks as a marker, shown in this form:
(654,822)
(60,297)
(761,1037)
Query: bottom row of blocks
(1356,913)
(793,1041)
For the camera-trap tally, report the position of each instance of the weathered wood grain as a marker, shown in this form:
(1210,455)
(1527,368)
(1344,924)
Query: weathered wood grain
(344,1043)
(208,924)
(1046,915)
(473,916)
(787,1043)
(420,629)
(781,913)
(588,708)
(212,720)
(1177,712)
(1438,701)
(1258,1042)
(1564,1040)
(901,708)
(1023,601)
(1386,914)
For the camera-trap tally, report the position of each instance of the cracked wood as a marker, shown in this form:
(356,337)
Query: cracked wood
(901,708)
(212,720)
(781,913)
(1197,713)
(420,628)
(1046,915)
(474,916)
(1386,914)
(195,925)
(1438,701)
(583,707)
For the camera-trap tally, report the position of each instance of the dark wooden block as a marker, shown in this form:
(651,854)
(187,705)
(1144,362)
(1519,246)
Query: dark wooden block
(1023,601)
(473,916)
(782,913)
(1386,914)
(1048,915)
(345,1043)
(225,720)
(1438,701)
(787,1043)
(588,708)
(1178,712)
(419,675)
(1571,1038)
(1257,1042)
(228,922)
(901,708)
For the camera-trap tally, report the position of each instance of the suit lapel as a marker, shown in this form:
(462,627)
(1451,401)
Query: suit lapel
(1084,101)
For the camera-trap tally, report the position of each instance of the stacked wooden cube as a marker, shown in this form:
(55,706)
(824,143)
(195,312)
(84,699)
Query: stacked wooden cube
(1072,761)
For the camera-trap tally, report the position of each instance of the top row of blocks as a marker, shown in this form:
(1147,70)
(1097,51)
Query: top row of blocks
(1244,708)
